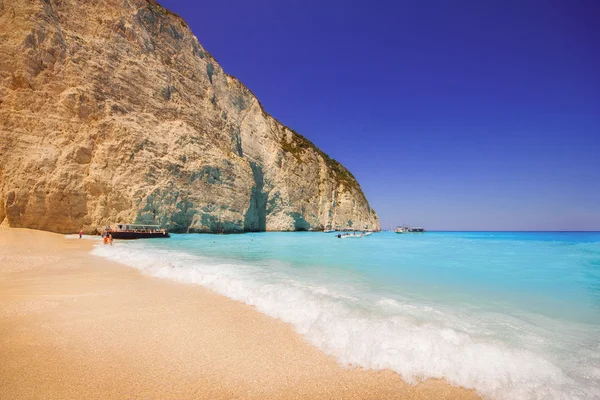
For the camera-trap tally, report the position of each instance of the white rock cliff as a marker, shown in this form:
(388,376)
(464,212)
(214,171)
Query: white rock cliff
(111,111)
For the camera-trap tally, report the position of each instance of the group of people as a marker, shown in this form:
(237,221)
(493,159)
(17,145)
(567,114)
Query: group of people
(107,238)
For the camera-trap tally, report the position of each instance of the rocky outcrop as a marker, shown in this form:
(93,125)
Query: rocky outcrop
(111,111)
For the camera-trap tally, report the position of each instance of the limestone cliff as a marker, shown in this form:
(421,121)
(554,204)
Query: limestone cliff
(111,111)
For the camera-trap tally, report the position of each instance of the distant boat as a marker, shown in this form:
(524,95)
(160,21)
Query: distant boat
(136,231)
(406,229)
(329,231)
(353,235)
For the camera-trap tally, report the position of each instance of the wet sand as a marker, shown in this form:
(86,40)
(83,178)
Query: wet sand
(75,326)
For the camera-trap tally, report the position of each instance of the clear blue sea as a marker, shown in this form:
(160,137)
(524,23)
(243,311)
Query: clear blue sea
(512,315)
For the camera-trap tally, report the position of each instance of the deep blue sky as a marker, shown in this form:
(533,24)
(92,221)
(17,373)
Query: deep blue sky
(480,115)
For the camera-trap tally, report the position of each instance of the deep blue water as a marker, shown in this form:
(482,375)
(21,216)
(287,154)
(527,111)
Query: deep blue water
(511,314)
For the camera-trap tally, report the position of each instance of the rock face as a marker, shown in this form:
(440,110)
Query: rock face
(112,112)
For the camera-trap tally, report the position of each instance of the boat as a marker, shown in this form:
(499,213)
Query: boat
(329,231)
(353,235)
(400,229)
(406,229)
(136,231)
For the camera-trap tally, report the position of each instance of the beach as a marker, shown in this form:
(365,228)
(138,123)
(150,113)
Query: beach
(74,325)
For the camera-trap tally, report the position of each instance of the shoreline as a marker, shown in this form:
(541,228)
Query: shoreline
(75,325)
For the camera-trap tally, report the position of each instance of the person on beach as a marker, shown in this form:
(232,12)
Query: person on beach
(80,233)
(104,237)
(110,238)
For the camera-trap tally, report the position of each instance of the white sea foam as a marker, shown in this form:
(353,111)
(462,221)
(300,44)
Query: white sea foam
(500,356)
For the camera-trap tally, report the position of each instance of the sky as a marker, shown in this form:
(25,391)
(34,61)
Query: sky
(452,115)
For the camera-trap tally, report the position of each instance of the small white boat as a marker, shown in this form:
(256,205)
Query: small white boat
(406,229)
(353,235)
(329,231)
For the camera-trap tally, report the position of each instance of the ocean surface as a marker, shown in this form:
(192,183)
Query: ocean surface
(511,315)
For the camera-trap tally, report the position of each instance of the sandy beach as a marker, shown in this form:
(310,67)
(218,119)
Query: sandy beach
(73,325)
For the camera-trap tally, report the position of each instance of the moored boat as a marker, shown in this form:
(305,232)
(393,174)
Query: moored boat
(354,235)
(406,229)
(136,231)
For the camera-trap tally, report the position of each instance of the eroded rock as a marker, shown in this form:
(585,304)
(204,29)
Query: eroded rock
(113,112)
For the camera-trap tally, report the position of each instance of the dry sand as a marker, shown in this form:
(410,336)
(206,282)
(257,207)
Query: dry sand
(74,326)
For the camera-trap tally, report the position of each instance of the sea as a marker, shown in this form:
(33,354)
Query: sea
(513,315)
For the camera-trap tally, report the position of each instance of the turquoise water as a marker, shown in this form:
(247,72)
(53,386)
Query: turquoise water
(512,315)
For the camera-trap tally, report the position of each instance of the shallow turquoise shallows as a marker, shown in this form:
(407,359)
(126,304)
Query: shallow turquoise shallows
(512,315)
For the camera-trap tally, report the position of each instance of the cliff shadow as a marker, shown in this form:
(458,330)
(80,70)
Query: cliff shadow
(255,219)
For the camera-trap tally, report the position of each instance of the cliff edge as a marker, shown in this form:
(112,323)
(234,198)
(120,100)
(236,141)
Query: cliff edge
(113,112)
